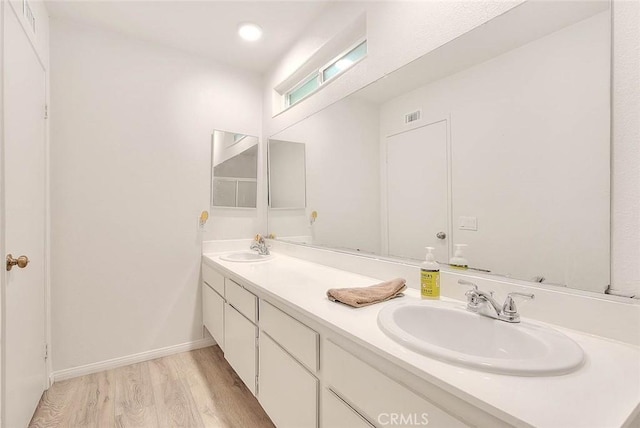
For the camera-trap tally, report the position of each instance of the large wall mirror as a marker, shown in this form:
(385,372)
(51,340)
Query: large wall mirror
(499,140)
(234,170)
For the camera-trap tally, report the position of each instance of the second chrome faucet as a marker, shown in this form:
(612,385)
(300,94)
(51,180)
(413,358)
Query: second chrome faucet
(478,299)
(260,245)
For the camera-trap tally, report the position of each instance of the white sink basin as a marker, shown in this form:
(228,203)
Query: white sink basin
(245,257)
(450,333)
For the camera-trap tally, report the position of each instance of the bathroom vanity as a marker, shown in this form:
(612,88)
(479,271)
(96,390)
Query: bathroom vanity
(315,363)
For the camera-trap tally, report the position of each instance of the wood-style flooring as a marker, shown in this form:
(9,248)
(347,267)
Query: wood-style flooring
(191,389)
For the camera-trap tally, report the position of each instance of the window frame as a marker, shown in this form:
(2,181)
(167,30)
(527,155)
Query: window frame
(341,56)
(318,73)
(287,95)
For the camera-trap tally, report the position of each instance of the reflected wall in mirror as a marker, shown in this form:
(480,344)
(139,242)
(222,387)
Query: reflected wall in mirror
(234,170)
(287,175)
(499,140)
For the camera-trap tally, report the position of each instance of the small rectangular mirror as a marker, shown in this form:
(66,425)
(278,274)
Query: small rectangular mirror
(287,175)
(234,170)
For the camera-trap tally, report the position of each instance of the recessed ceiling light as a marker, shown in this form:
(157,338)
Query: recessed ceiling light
(249,31)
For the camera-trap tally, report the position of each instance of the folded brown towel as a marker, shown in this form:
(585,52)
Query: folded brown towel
(364,296)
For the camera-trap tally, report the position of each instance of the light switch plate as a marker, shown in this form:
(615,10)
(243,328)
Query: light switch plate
(467,223)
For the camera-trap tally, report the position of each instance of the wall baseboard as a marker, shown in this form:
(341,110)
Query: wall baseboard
(113,363)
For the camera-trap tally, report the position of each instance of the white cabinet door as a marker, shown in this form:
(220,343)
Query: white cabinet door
(338,414)
(379,398)
(240,345)
(288,392)
(213,313)
(296,338)
(213,279)
(244,301)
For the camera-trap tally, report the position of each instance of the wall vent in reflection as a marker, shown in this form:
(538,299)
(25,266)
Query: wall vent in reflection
(413,116)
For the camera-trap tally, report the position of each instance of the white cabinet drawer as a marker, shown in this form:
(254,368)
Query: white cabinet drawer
(213,313)
(338,414)
(213,278)
(240,336)
(287,391)
(245,302)
(376,396)
(298,339)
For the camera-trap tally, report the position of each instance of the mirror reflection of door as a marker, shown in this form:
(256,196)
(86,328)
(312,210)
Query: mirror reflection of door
(234,170)
(417,177)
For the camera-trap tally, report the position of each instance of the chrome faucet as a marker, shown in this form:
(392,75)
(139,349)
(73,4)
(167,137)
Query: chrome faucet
(477,300)
(260,245)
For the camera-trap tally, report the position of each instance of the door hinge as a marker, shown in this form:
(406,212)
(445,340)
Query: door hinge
(46,111)
(46,351)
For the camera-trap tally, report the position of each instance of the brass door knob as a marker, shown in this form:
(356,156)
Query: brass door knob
(21,262)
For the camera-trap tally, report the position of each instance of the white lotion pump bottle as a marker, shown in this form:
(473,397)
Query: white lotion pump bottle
(458,261)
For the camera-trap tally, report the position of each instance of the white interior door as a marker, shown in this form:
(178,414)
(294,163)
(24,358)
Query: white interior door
(24,371)
(417,188)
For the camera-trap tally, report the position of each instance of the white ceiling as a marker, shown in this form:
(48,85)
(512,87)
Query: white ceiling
(206,28)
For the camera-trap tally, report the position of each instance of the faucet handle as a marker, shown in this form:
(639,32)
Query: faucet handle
(468,284)
(509,308)
(473,303)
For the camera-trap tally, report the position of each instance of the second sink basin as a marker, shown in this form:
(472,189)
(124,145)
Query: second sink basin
(245,257)
(451,333)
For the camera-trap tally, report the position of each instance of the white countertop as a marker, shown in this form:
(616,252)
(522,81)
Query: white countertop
(602,393)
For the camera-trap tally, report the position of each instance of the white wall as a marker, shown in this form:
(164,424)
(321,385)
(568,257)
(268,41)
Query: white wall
(530,155)
(625,204)
(343,159)
(131,126)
